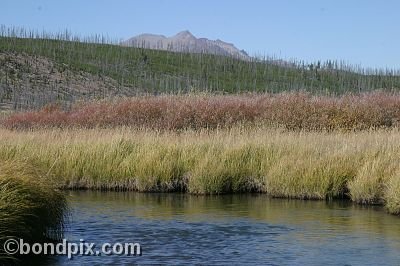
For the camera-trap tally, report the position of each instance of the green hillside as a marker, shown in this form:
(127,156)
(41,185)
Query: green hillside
(35,71)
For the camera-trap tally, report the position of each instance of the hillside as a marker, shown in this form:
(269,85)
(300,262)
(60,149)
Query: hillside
(37,71)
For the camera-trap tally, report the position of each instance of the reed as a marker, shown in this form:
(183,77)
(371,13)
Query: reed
(362,166)
(30,207)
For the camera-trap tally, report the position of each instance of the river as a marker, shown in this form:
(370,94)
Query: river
(250,229)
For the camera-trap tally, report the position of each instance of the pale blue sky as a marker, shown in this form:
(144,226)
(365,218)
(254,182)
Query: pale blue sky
(365,32)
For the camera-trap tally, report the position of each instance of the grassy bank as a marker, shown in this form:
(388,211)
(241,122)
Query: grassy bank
(30,207)
(293,111)
(364,166)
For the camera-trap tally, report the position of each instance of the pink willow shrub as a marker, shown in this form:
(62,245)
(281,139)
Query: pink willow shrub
(294,111)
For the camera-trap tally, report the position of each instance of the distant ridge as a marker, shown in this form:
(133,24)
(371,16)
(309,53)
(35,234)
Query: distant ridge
(185,41)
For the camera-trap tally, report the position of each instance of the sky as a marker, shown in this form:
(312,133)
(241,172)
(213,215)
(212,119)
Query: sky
(360,32)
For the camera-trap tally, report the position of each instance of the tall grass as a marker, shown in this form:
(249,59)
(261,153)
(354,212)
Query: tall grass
(392,195)
(293,111)
(30,207)
(362,165)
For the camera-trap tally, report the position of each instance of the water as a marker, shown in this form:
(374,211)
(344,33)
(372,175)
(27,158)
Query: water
(231,230)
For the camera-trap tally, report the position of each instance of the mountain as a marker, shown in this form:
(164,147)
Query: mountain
(185,41)
(38,71)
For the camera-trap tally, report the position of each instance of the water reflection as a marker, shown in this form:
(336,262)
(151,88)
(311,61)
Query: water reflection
(253,229)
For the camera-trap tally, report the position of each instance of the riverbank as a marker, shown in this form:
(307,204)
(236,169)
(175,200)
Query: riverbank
(363,166)
(30,207)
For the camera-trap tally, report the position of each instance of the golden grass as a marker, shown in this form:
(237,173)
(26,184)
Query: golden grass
(30,207)
(392,195)
(361,165)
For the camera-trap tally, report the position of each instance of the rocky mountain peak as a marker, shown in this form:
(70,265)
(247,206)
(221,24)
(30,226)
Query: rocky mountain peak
(185,41)
(184,34)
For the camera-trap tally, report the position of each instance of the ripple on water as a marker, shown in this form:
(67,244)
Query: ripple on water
(232,229)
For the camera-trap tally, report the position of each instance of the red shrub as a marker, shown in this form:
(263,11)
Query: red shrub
(294,111)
